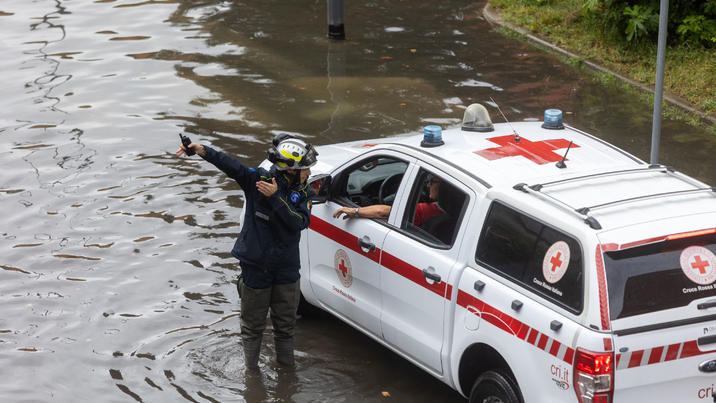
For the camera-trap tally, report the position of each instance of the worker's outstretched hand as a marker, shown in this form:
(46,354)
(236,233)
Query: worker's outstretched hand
(267,189)
(198,148)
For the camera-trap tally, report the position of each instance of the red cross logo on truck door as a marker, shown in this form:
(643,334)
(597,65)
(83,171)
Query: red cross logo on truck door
(343,268)
(698,264)
(539,152)
(342,265)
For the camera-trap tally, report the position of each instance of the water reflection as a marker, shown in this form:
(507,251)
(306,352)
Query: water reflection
(115,253)
(50,80)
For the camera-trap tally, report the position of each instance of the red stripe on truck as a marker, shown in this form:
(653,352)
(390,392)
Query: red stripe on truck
(673,352)
(656,355)
(533,336)
(414,274)
(635,360)
(382,257)
(691,348)
(555,347)
(344,238)
(522,334)
(569,355)
(602,284)
(542,342)
(513,326)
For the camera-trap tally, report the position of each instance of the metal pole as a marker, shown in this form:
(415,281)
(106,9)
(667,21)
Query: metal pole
(336,30)
(659,85)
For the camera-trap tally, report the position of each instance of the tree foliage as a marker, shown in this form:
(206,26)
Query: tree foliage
(691,22)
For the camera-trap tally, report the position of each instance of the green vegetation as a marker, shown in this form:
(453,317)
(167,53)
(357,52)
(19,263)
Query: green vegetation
(621,36)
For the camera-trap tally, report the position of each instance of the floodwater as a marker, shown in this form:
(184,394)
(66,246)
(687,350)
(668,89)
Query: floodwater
(115,279)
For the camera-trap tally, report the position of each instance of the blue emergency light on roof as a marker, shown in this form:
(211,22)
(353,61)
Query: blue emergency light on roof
(432,136)
(476,119)
(553,119)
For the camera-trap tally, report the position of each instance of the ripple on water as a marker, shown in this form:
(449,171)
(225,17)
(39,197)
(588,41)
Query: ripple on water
(10,268)
(220,362)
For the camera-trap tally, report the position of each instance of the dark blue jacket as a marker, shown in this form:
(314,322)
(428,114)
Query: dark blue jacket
(272,226)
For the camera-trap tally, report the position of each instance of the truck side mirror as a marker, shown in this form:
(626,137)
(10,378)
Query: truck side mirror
(321,184)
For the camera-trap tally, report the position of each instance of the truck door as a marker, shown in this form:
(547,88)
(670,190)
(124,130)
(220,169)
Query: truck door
(345,254)
(662,306)
(523,300)
(417,260)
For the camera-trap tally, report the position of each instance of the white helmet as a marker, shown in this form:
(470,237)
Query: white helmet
(289,152)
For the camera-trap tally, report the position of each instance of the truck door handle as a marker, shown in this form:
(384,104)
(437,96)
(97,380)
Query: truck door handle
(479,285)
(516,305)
(702,341)
(431,275)
(365,243)
(707,304)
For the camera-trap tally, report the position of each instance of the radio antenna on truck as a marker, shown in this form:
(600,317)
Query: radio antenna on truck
(561,163)
(517,136)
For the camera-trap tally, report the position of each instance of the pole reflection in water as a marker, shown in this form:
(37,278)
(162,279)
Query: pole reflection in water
(335,71)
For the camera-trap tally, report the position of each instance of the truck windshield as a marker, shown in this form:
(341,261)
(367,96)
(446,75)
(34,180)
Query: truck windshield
(661,275)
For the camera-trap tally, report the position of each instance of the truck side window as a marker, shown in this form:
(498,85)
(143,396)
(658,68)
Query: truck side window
(372,181)
(434,209)
(533,255)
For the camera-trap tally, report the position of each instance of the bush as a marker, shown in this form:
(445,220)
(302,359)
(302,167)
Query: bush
(697,29)
(640,21)
(691,22)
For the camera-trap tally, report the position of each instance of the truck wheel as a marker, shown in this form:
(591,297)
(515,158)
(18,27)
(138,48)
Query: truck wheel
(493,387)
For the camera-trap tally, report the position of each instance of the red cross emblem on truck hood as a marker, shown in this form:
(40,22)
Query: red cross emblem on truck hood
(539,152)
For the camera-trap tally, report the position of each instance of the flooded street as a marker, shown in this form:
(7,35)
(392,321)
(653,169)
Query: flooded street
(116,282)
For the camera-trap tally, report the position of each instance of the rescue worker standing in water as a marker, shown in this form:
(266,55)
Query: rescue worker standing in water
(276,211)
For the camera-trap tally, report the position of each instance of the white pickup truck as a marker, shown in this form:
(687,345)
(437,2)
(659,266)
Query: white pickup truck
(550,266)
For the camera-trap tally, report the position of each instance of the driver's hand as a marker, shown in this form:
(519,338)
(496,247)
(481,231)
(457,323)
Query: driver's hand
(344,210)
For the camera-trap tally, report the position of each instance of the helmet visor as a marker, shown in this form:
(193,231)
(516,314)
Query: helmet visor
(309,159)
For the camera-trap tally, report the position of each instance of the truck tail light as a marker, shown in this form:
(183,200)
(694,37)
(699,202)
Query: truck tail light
(593,376)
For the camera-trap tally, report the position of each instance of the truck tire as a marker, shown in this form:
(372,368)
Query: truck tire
(493,387)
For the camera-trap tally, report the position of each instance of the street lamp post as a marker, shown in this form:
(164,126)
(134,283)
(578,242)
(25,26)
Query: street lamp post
(659,85)
(336,30)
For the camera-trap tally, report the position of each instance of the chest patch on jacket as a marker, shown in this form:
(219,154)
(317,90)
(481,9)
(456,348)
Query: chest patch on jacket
(295,197)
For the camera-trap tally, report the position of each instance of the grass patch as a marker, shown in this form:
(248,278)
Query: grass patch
(690,73)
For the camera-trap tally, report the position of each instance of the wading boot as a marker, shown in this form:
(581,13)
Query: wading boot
(284,353)
(252,351)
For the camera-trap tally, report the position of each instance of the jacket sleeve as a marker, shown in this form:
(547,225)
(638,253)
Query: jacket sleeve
(242,174)
(296,217)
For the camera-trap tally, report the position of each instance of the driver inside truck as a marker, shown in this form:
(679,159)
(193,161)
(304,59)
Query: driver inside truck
(423,210)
